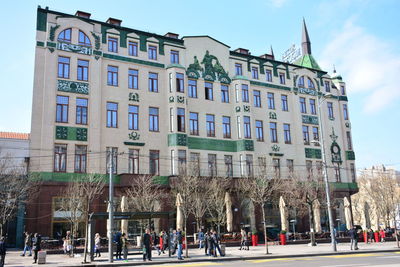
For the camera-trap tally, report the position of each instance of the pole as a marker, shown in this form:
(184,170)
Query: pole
(325,172)
(111,204)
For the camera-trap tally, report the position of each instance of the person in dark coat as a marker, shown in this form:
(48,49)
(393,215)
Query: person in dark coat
(353,238)
(118,242)
(147,244)
(210,244)
(165,243)
(37,240)
(2,251)
(216,240)
(156,242)
(28,244)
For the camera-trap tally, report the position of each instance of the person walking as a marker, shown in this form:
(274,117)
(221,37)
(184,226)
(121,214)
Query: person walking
(124,242)
(147,245)
(382,235)
(97,244)
(201,239)
(68,243)
(156,242)
(210,244)
(216,241)
(243,240)
(173,242)
(36,245)
(2,251)
(28,244)
(370,236)
(353,238)
(165,242)
(118,242)
(179,239)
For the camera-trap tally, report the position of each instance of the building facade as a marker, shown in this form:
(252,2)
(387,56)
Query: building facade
(164,105)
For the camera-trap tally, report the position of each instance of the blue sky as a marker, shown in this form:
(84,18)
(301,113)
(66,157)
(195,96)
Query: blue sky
(360,37)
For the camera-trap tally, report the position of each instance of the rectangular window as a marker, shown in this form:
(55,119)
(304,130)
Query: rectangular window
(310,83)
(259,131)
(254,73)
(268,75)
(226,126)
(282,78)
(353,172)
(153,82)
(330,110)
(245,93)
(277,168)
(286,133)
(194,123)
(133,161)
(300,82)
(271,100)
(290,166)
(224,93)
(62,108)
(237,93)
(133,79)
(273,132)
(112,76)
(81,111)
(80,158)
(113,153)
(133,117)
(210,124)
(228,166)
(208,90)
(285,106)
(133,48)
(337,173)
(309,168)
(181,119)
(195,163)
(180,83)
(249,165)
(247,127)
(238,69)
(63,67)
(257,98)
(306,136)
(212,165)
(327,86)
(349,143)
(174,57)
(152,51)
(313,109)
(154,163)
(315,133)
(112,44)
(192,87)
(153,119)
(345,112)
(342,90)
(182,162)
(112,115)
(171,119)
(238,127)
(262,164)
(60,158)
(83,70)
(303,108)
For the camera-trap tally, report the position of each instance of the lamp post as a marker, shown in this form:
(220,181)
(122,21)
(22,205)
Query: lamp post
(111,205)
(294,229)
(325,172)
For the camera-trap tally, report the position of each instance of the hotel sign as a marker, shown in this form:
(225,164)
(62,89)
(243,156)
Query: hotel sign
(291,55)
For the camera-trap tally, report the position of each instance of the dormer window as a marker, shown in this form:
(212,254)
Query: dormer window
(310,83)
(83,39)
(65,36)
(327,86)
(301,80)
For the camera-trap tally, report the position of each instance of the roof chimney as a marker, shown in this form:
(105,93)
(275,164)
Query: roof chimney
(116,22)
(172,35)
(82,14)
(242,51)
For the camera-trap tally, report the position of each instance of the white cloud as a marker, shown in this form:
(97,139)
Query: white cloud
(277,3)
(368,65)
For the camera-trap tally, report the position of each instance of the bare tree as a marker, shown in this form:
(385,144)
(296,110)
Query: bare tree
(216,204)
(261,189)
(200,199)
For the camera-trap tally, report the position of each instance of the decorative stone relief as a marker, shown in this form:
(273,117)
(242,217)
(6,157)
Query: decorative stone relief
(246,108)
(74,48)
(272,115)
(134,136)
(180,99)
(73,87)
(309,119)
(134,97)
(275,148)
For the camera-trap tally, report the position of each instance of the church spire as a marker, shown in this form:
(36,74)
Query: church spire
(305,40)
(272,52)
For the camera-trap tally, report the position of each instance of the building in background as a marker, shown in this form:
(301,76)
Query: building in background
(163,104)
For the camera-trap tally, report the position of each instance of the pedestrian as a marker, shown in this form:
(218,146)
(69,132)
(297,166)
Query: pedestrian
(179,239)
(210,244)
(68,243)
(118,242)
(36,246)
(216,240)
(156,242)
(124,242)
(173,242)
(353,238)
(243,240)
(206,243)
(97,244)
(370,236)
(201,239)
(28,244)
(165,242)
(147,245)
(2,251)
(382,235)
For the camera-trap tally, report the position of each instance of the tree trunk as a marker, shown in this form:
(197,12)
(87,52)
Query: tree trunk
(72,238)
(312,229)
(265,229)
(86,231)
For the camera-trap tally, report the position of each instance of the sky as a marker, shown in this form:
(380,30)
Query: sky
(360,37)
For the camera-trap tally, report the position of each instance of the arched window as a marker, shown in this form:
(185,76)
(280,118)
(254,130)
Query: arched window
(310,83)
(300,82)
(83,39)
(65,36)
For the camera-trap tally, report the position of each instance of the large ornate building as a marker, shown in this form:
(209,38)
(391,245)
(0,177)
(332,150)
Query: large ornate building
(160,103)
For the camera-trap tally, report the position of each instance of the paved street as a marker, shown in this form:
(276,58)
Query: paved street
(367,255)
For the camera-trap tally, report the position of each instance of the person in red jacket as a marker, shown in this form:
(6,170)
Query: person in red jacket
(382,235)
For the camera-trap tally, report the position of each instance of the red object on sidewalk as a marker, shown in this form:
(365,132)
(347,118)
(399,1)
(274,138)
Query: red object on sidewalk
(282,237)
(376,236)
(183,244)
(254,240)
(161,242)
(365,234)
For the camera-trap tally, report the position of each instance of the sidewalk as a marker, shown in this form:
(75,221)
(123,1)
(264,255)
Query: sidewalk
(197,255)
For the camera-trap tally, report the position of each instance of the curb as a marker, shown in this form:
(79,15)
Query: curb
(223,259)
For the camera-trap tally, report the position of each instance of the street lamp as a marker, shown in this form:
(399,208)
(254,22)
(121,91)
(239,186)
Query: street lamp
(293,222)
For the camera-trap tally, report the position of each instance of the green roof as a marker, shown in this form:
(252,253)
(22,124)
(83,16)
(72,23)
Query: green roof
(307,61)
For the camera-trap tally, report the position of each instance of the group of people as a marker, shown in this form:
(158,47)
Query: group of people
(211,242)
(172,241)
(32,242)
